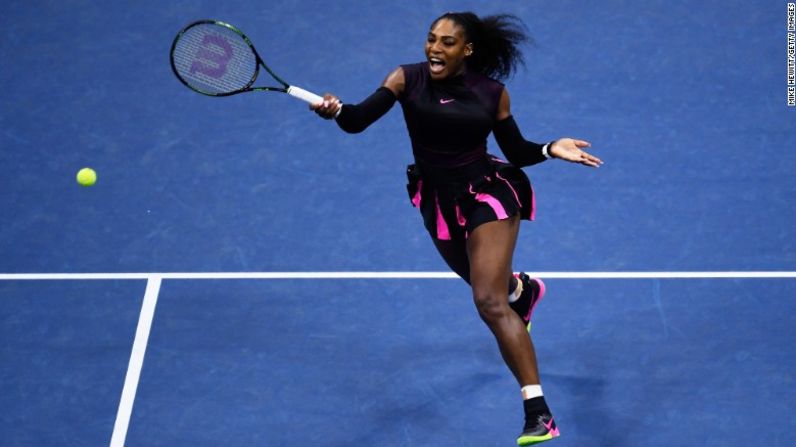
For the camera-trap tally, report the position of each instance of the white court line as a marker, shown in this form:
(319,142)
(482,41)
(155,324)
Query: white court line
(387,275)
(136,362)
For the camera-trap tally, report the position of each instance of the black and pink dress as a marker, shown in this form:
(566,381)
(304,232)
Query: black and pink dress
(454,182)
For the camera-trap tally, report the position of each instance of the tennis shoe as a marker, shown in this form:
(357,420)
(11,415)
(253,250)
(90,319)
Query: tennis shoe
(533,289)
(539,429)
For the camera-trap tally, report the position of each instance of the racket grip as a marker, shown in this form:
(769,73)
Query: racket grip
(304,95)
(309,97)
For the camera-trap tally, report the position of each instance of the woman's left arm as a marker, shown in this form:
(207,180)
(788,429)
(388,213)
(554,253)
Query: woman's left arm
(521,152)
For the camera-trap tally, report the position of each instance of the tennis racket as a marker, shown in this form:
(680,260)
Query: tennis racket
(216,59)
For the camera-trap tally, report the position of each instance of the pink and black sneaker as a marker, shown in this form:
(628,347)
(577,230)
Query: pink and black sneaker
(532,292)
(539,423)
(542,429)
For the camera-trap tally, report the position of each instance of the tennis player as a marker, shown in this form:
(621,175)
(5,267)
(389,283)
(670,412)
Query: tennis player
(472,202)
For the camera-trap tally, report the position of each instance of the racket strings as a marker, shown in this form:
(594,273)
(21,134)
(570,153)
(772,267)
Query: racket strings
(214,59)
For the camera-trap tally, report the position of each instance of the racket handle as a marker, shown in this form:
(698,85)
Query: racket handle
(304,95)
(309,97)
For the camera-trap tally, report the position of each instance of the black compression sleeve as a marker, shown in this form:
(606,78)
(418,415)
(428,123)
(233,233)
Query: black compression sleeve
(517,150)
(356,118)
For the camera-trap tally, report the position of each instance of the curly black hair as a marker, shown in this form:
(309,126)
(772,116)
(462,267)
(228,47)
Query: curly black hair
(496,42)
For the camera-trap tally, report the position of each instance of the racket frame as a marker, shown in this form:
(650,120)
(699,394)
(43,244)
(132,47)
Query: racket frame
(294,91)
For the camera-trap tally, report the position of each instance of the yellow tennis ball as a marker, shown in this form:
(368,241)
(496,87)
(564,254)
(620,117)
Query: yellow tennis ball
(86,177)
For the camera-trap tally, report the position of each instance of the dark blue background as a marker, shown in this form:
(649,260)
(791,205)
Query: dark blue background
(685,101)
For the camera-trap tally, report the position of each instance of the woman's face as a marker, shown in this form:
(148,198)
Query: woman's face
(446,49)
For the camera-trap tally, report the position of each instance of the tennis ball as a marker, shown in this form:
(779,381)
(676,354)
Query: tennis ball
(86,177)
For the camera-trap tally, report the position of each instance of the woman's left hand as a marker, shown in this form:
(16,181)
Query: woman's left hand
(571,150)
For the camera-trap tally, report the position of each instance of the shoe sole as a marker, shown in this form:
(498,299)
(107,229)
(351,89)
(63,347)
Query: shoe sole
(531,440)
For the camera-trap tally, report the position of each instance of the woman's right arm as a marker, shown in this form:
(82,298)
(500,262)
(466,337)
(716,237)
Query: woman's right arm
(355,118)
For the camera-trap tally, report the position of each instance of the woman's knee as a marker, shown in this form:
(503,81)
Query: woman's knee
(491,304)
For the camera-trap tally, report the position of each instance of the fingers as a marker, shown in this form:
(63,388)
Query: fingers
(328,108)
(589,160)
(581,143)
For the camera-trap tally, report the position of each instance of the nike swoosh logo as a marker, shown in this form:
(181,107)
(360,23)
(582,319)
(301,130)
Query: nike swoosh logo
(549,426)
(445,101)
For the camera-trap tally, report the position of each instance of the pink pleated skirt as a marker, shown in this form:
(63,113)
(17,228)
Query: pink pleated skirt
(455,201)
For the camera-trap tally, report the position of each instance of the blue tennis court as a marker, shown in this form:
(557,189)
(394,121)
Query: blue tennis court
(244,273)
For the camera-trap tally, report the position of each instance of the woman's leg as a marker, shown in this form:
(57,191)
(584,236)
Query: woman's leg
(484,261)
(455,255)
(490,249)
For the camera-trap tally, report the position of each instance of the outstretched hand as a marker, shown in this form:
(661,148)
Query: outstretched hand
(571,150)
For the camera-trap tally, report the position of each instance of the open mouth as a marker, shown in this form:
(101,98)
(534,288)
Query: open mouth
(436,64)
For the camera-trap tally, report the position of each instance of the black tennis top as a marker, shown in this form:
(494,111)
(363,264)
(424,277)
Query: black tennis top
(448,120)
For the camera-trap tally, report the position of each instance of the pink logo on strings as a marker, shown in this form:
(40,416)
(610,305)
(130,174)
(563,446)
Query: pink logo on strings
(446,101)
(209,60)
